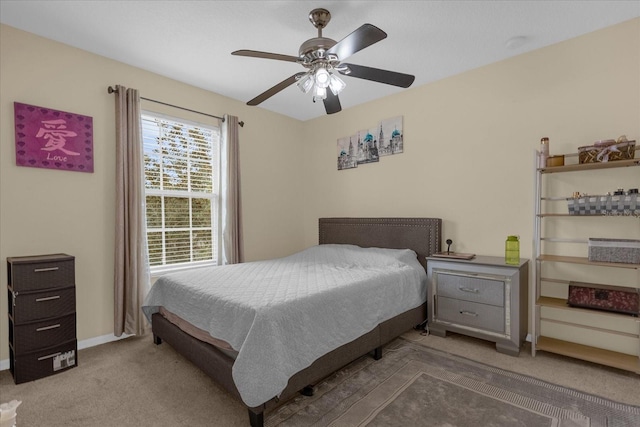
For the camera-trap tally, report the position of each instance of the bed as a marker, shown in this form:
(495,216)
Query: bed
(254,376)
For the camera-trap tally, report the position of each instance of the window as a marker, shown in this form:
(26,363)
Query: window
(181,188)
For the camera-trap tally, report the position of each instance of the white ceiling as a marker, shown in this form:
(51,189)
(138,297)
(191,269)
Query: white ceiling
(192,41)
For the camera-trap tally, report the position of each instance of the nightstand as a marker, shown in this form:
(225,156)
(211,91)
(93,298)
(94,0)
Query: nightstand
(482,297)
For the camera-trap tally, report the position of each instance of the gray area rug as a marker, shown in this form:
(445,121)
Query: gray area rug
(413,385)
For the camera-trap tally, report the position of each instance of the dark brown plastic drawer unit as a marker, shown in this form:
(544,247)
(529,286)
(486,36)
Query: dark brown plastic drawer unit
(42,315)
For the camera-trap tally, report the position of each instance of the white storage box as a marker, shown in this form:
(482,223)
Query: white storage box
(614,250)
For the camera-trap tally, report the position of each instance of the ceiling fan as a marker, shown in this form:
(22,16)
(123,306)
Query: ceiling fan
(322,57)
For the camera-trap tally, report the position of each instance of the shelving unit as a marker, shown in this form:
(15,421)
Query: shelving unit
(540,301)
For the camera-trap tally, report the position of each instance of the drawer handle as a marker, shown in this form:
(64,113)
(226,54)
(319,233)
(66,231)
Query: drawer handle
(47,298)
(51,356)
(463,289)
(469,313)
(40,270)
(46,328)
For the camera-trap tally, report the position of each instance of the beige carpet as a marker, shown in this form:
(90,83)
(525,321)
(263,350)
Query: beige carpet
(135,383)
(416,385)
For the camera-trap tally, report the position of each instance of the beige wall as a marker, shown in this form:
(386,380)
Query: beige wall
(469,144)
(47,211)
(470,139)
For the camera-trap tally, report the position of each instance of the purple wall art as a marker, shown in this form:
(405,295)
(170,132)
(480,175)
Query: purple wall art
(53,139)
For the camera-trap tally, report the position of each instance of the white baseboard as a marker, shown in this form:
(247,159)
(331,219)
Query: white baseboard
(91,342)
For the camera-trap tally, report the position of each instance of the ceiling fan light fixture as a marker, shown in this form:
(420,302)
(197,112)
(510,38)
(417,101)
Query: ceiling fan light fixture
(336,84)
(322,77)
(319,93)
(306,83)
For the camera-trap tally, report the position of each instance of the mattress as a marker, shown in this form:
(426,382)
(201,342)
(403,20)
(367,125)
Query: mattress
(281,315)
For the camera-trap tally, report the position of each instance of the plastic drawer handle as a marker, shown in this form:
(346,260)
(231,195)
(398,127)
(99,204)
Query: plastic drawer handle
(49,356)
(469,313)
(46,328)
(463,289)
(40,270)
(47,298)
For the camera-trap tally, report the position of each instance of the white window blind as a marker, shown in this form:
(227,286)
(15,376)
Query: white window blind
(181,165)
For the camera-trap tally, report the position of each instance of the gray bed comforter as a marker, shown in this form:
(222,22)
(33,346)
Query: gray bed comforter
(281,315)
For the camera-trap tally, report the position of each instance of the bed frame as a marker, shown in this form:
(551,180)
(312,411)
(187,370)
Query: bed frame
(423,235)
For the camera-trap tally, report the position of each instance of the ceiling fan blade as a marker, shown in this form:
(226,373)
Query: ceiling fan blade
(275,89)
(362,37)
(266,55)
(377,75)
(332,103)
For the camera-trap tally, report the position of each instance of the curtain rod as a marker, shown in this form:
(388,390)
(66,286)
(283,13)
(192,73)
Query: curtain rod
(110,89)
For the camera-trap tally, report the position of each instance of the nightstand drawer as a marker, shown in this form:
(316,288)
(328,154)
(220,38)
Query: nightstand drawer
(481,316)
(28,306)
(484,289)
(46,333)
(41,272)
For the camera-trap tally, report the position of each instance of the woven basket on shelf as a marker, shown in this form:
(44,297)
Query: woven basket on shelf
(607,151)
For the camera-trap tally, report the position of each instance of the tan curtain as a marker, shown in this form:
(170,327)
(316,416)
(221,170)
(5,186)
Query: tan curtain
(132,279)
(232,250)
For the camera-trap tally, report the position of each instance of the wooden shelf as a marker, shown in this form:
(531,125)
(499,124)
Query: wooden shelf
(591,166)
(552,302)
(561,303)
(591,354)
(585,261)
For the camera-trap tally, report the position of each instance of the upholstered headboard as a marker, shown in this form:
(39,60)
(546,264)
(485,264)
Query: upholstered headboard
(422,235)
